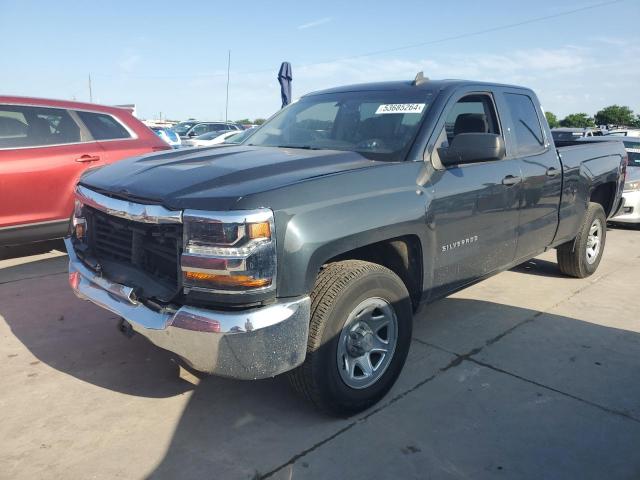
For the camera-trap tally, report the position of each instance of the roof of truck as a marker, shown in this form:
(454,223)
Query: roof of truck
(409,85)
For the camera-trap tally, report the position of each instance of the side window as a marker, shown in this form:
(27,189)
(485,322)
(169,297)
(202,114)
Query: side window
(103,126)
(26,126)
(526,124)
(474,113)
(200,129)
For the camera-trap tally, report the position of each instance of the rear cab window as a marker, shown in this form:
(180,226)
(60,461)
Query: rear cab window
(103,126)
(31,126)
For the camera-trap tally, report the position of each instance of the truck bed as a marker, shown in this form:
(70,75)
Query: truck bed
(587,165)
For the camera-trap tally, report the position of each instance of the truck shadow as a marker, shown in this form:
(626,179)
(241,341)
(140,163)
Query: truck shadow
(78,338)
(540,267)
(231,427)
(28,249)
(236,429)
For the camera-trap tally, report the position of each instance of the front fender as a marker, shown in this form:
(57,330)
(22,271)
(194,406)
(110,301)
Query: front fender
(344,212)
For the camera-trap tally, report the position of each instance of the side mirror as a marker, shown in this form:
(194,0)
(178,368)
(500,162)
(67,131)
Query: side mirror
(192,133)
(473,147)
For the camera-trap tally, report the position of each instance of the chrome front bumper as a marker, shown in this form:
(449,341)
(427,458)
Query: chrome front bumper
(247,344)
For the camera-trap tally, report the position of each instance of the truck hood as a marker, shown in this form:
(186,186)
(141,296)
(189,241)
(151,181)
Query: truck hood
(217,177)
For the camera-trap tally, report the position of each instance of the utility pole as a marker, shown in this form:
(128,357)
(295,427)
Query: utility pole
(226,109)
(90,92)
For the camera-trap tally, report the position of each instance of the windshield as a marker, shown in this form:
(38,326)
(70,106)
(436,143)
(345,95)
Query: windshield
(380,125)
(183,127)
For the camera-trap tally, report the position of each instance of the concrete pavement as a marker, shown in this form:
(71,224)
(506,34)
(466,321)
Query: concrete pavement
(526,375)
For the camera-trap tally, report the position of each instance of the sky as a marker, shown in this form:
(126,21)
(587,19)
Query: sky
(170,58)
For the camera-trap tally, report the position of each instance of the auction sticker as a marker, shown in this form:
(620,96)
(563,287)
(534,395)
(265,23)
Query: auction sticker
(400,108)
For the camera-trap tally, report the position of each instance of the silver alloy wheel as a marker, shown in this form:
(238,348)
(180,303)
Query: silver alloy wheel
(594,241)
(367,343)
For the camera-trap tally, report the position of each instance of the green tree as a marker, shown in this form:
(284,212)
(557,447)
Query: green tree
(615,115)
(259,121)
(244,121)
(552,119)
(577,120)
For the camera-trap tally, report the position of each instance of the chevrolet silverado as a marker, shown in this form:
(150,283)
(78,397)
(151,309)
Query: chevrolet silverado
(308,247)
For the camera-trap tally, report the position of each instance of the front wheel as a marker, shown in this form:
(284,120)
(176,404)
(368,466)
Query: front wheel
(359,337)
(580,257)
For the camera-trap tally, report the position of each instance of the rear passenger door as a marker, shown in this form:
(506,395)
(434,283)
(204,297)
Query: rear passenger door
(43,152)
(541,173)
(116,139)
(474,209)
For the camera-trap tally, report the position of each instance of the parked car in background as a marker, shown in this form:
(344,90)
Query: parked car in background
(630,211)
(632,132)
(191,129)
(562,133)
(211,138)
(45,146)
(168,135)
(631,194)
(308,247)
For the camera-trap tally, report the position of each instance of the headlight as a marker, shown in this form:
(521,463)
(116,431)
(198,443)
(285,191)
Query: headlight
(632,186)
(229,252)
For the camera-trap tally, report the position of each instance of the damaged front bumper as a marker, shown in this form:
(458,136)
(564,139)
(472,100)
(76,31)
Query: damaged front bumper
(245,344)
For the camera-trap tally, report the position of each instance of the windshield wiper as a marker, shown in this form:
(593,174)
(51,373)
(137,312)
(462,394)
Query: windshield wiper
(303,147)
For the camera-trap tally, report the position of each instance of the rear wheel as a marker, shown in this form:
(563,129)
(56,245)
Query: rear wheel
(581,257)
(359,337)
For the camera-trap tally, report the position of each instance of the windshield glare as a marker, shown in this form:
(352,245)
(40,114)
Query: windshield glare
(378,125)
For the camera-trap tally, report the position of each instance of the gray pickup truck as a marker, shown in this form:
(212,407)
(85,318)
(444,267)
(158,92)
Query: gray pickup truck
(308,247)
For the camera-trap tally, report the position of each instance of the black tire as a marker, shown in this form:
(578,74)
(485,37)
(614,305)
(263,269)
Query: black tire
(339,289)
(572,256)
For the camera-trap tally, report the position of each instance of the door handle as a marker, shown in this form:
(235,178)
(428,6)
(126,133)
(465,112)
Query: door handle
(88,158)
(552,172)
(510,180)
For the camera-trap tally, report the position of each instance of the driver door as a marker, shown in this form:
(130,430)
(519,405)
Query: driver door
(474,210)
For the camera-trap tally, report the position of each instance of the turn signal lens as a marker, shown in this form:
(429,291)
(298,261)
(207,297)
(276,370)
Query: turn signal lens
(80,228)
(227,280)
(259,230)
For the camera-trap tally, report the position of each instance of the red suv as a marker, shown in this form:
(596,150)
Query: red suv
(45,145)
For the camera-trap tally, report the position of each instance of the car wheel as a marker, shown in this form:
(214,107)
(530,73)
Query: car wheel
(359,337)
(580,257)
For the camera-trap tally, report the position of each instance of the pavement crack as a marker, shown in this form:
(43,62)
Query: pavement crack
(547,387)
(53,274)
(362,419)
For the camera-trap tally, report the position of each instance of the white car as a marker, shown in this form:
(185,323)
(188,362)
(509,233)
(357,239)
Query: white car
(631,195)
(624,133)
(208,139)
